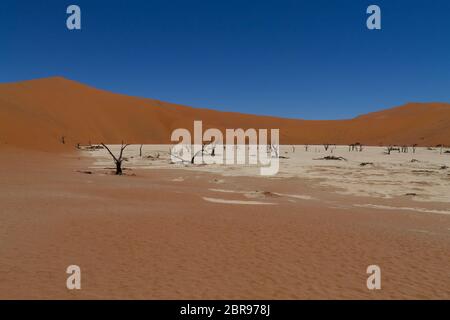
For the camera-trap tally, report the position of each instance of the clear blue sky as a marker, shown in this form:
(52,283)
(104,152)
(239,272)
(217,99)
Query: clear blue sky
(310,59)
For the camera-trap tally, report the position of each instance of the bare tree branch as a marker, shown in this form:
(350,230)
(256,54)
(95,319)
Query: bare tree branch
(118,161)
(112,155)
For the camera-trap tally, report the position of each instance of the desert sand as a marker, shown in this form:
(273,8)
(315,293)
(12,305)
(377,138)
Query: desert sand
(38,113)
(197,233)
(168,230)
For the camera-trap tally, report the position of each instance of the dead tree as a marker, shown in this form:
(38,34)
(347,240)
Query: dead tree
(180,155)
(63,140)
(333,147)
(212,143)
(326,146)
(117,161)
(197,153)
(393,148)
(203,151)
(274,149)
(306,148)
(354,147)
(414,146)
(140,151)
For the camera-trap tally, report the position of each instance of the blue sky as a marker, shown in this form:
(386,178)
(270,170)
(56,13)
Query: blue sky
(310,59)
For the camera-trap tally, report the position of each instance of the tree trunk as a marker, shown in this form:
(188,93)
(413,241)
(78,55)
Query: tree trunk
(118,167)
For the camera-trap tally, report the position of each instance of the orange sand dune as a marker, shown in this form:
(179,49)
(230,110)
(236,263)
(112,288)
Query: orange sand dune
(36,114)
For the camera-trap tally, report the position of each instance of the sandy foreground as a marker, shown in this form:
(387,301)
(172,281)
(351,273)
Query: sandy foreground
(168,231)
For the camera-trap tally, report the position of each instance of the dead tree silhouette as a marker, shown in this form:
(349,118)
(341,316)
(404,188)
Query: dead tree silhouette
(354,147)
(118,161)
(393,148)
(275,150)
(202,152)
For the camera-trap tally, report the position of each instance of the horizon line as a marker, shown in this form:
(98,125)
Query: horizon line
(60,77)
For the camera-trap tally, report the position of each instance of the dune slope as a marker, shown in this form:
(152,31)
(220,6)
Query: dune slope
(38,113)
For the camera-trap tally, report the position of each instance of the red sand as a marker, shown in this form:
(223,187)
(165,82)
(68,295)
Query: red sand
(148,237)
(38,113)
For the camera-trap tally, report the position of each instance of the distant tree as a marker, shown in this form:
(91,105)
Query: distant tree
(203,151)
(393,148)
(118,160)
(354,147)
(274,149)
(196,154)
